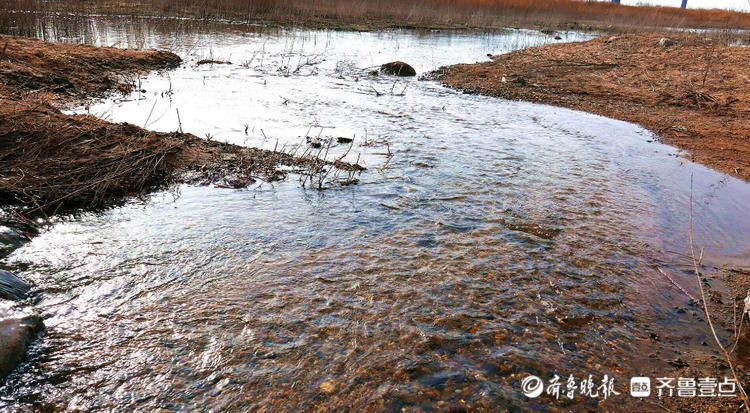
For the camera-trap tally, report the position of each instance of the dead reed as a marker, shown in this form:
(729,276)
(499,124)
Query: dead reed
(697,261)
(418,13)
(54,162)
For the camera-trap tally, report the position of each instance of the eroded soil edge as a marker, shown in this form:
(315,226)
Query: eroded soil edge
(52,162)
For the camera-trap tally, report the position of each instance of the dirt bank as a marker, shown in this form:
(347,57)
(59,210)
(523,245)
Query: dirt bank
(694,94)
(52,162)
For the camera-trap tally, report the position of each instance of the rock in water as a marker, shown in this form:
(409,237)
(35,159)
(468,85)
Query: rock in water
(16,334)
(398,69)
(328,387)
(10,239)
(11,288)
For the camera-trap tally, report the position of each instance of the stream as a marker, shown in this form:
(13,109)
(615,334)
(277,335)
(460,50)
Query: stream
(487,240)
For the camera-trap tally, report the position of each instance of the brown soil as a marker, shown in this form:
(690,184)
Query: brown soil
(52,162)
(694,94)
(71,71)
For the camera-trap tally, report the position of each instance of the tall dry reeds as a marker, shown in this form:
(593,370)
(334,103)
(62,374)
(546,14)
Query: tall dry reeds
(474,13)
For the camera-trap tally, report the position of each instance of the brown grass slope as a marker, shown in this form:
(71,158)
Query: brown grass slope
(694,94)
(51,162)
(29,65)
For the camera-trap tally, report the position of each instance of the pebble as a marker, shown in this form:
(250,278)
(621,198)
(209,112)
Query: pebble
(328,387)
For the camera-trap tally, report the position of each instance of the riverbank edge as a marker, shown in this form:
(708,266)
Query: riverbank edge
(58,163)
(54,163)
(691,91)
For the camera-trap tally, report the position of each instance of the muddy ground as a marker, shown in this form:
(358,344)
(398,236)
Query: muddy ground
(693,91)
(53,162)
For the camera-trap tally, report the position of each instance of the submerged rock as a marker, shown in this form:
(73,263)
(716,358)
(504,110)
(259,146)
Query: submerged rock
(328,387)
(239,182)
(398,69)
(11,287)
(10,239)
(17,332)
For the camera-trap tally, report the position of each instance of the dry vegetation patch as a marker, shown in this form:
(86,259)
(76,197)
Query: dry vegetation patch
(52,162)
(695,93)
(379,14)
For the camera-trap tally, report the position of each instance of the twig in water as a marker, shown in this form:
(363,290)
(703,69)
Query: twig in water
(696,265)
(403,92)
(690,296)
(738,327)
(149,115)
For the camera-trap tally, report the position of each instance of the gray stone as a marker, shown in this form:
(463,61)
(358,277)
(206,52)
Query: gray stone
(666,42)
(10,239)
(398,69)
(17,332)
(11,287)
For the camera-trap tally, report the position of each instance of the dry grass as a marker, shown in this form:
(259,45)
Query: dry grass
(75,71)
(52,162)
(56,161)
(418,13)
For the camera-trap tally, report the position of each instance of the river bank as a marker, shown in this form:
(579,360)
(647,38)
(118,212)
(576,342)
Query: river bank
(59,163)
(54,163)
(692,91)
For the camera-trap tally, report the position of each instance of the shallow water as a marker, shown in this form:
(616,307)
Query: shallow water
(501,239)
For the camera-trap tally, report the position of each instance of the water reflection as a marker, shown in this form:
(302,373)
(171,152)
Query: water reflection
(502,239)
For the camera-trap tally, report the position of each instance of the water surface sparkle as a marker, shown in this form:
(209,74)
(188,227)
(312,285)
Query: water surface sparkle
(502,239)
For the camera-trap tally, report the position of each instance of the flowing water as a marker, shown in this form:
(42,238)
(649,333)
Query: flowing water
(486,241)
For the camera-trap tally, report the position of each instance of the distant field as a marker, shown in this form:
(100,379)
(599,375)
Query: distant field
(419,13)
